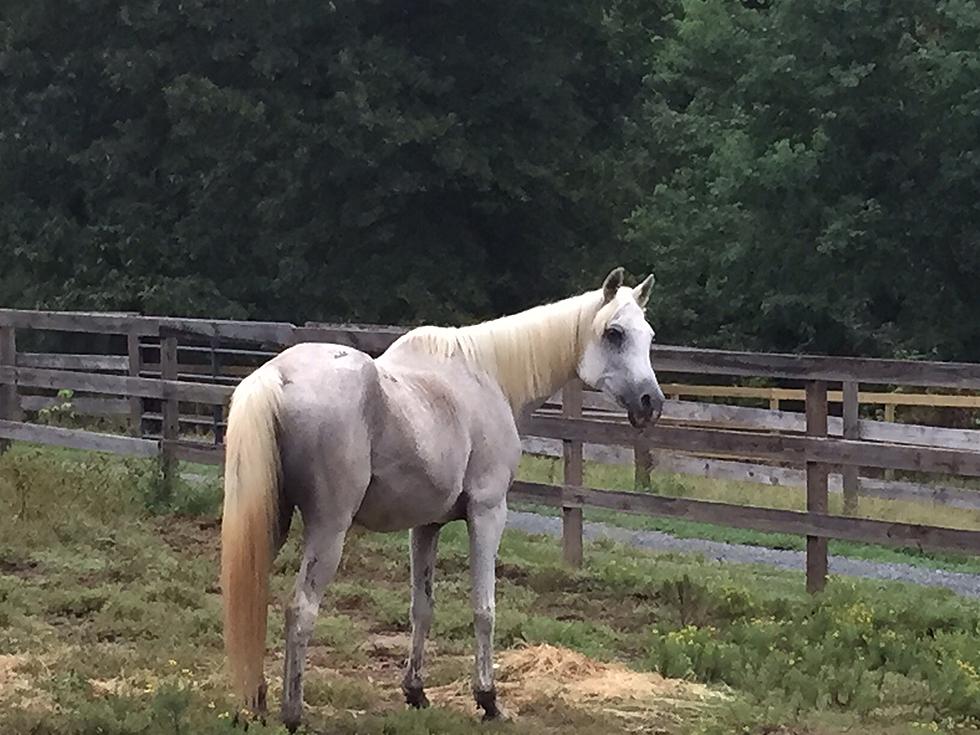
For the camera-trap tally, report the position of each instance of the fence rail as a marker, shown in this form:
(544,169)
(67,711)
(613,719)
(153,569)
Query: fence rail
(172,373)
(775,396)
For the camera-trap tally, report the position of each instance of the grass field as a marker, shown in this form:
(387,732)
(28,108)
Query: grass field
(109,623)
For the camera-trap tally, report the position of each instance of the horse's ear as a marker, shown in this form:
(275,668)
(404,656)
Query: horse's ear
(612,284)
(642,292)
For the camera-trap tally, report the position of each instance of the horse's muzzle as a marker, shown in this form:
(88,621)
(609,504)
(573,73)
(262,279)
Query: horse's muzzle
(646,410)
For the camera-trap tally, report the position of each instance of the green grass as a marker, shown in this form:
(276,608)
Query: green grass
(612,477)
(110,623)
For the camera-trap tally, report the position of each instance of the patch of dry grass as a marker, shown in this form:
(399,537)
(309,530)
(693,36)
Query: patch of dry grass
(536,678)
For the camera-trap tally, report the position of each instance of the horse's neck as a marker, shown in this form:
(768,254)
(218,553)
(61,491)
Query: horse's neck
(533,354)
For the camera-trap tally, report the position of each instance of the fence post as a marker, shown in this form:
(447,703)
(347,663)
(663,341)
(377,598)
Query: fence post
(135,367)
(889,473)
(849,474)
(217,411)
(642,464)
(171,412)
(816,486)
(571,528)
(9,400)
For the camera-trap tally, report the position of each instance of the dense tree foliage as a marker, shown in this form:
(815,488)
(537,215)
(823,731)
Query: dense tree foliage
(376,160)
(817,175)
(801,174)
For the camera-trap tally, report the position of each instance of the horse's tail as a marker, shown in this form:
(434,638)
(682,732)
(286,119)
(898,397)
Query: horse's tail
(251,508)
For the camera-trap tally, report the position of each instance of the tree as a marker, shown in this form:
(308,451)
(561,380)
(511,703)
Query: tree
(380,161)
(816,176)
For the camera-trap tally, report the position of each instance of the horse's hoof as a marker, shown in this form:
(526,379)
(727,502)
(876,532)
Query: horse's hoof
(291,718)
(498,715)
(244,719)
(415,697)
(492,712)
(253,709)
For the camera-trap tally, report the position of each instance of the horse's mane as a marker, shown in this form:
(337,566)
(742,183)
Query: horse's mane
(530,354)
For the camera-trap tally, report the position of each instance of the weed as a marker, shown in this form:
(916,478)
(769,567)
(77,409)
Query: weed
(61,411)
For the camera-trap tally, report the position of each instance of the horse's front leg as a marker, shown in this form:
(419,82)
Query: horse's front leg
(486,526)
(321,556)
(424,541)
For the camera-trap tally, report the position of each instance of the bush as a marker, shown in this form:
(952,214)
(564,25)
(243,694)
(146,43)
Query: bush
(835,652)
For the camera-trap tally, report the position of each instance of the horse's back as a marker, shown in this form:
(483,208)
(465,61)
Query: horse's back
(325,383)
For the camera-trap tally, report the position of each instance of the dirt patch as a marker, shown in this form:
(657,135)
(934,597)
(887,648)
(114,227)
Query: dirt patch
(514,573)
(22,568)
(193,538)
(388,645)
(385,659)
(388,652)
(541,675)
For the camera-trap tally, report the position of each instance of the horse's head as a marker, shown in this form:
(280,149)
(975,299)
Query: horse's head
(616,358)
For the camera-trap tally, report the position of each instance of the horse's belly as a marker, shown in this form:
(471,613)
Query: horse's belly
(405,501)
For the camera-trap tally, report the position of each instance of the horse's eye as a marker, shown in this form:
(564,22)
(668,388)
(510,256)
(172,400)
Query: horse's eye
(615,336)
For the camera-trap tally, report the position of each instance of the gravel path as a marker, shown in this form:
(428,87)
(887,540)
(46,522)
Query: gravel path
(963,584)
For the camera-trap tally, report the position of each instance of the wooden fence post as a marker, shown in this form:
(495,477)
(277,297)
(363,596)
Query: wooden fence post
(171,413)
(9,400)
(851,481)
(217,410)
(642,464)
(889,474)
(571,529)
(135,366)
(816,486)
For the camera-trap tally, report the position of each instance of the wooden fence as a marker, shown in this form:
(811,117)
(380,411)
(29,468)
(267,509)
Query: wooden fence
(169,380)
(775,397)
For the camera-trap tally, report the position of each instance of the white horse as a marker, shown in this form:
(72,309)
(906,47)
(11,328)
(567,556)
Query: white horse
(423,435)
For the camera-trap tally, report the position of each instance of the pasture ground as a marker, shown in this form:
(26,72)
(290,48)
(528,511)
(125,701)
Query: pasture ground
(110,623)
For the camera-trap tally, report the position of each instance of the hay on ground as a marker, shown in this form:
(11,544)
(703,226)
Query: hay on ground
(530,675)
(17,687)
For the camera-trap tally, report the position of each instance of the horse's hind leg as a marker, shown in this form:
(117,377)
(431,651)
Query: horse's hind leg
(324,543)
(424,541)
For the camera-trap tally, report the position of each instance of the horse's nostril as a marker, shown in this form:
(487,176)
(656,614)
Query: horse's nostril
(646,401)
